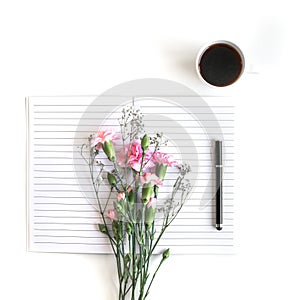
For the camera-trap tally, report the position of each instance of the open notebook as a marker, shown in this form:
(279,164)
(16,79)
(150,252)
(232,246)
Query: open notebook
(61,217)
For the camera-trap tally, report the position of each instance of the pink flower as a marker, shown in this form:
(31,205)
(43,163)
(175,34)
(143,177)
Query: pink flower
(151,202)
(133,155)
(121,196)
(150,178)
(112,214)
(102,136)
(164,159)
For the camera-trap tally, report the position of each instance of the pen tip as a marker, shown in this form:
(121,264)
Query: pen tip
(219,227)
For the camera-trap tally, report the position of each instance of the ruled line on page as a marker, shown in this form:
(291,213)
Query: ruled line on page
(53,130)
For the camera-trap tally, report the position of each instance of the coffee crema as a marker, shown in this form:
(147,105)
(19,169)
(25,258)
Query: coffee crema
(221,64)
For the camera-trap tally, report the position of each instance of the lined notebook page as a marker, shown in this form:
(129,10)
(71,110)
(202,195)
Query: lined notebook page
(61,214)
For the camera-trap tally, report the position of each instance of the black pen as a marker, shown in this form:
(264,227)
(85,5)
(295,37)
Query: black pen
(219,184)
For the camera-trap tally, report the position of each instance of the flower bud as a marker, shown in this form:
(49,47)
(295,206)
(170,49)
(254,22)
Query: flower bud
(131,197)
(149,216)
(166,253)
(109,150)
(145,142)
(161,170)
(111,179)
(147,191)
(120,208)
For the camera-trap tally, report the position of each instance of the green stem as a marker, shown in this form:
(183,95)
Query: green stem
(148,289)
(143,254)
(124,262)
(119,177)
(133,264)
(147,261)
(125,291)
(135,235)
(111,240)
(155,149)
(141,269)
(152,247)
(134,256)
(119,271)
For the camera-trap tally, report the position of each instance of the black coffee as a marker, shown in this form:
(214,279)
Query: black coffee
(220,65)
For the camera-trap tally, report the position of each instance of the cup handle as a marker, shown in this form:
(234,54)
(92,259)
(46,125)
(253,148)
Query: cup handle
(251,69)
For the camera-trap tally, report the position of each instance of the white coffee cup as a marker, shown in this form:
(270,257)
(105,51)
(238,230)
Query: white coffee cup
(220,63)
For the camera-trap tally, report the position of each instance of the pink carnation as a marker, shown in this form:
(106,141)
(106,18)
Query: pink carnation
(150,178)
(121,196)
(102,136)
(133,155)
(112,214)
(164,159)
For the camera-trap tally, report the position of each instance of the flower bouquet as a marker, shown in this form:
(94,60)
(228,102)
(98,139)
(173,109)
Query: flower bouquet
(136,211)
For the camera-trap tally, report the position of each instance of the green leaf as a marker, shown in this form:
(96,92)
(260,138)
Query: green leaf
(102,228)
(128,258)
(129,228)
(117,230)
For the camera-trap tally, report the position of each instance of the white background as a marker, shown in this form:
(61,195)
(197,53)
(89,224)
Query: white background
(85,47)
